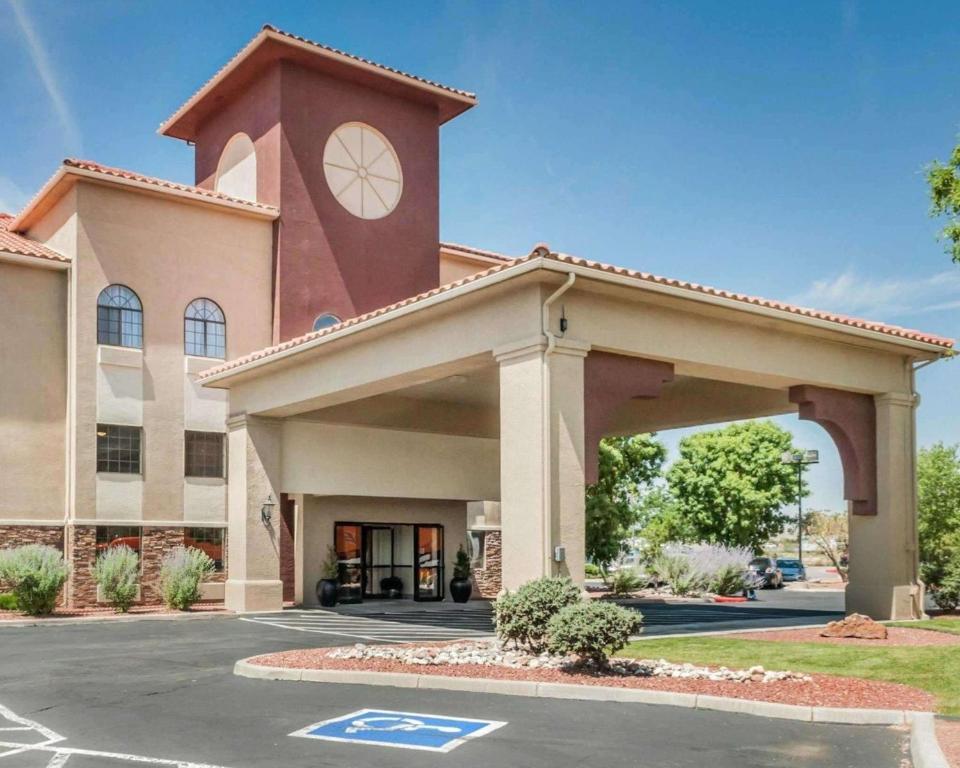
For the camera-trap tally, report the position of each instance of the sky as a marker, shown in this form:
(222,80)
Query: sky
(771,148)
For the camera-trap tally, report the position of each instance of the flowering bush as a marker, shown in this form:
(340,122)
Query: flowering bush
(625,582)
(693,568)
(523,616)
(116,572)
(181,573)
(35,574)
(591,629)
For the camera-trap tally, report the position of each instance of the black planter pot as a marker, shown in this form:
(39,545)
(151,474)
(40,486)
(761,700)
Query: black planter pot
(460,590)
(327,592)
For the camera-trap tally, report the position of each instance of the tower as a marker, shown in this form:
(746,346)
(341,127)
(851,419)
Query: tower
(348,150)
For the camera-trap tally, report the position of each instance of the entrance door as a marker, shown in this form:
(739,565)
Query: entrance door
(428,554)
(348,540)
(377,558)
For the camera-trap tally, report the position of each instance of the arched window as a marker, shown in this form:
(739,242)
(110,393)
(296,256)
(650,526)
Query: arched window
(237,169)
(119,317)
(204,329)
(325,320)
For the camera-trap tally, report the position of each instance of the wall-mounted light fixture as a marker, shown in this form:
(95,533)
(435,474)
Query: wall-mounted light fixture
(266,511)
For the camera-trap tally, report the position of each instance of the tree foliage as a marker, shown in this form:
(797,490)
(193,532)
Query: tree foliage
(938,506)
(730,485)
(944,182)
(831,535)
(628,465)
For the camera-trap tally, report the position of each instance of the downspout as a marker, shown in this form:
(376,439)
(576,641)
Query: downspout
(918,597)
(546,418)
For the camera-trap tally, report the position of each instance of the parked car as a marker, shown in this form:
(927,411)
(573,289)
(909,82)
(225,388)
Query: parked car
(765,570)
(792,570)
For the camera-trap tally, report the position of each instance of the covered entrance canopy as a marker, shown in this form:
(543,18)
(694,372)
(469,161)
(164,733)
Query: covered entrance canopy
(498,388)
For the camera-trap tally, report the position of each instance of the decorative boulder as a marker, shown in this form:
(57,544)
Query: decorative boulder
(856,625)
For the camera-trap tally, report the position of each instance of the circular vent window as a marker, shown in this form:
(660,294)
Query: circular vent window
(362,170)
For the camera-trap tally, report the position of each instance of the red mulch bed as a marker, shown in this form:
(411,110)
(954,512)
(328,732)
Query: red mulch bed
(948,734)
(896,636)
(824,691)
(136,610)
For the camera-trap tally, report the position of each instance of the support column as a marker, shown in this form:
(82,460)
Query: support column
(253,583)
(884,567)
(541,460)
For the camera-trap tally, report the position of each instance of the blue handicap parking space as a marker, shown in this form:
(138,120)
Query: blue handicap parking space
(406,730)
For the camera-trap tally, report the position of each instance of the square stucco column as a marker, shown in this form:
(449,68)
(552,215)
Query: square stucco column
(253,582)
(884,568)
(541,460)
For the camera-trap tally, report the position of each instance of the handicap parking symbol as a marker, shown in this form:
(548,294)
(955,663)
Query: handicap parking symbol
(406,730)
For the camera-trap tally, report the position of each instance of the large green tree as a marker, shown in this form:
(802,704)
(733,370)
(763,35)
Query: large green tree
(628,465)
(938,506)
(730,485)
(944,182)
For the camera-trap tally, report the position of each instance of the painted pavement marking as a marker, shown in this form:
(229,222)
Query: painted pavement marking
(51,743)
(403,730)
(376,629)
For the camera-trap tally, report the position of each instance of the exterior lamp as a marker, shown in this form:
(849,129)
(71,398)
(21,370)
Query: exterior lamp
(800,459)
(266,511)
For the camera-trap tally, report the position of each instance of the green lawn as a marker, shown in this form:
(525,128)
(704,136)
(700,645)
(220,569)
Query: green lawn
(937,625)
(933,668)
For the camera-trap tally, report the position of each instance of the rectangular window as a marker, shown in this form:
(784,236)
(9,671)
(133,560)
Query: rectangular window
(203,456)
(120,327)
(116,536)
(209,540)
(118,448)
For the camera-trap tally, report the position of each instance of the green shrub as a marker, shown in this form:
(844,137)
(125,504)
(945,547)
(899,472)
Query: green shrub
(592,571)
(181,573)
(35,574)
(728,580)
(116,571)
(947,593)
(8,601)
(625,582)
(522,616)
(676,571)
(592,629)
(461,567)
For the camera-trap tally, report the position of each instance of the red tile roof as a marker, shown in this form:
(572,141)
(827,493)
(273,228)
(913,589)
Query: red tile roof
(543,252)
(268,31)
(476,251)
(11,242)
(120,173)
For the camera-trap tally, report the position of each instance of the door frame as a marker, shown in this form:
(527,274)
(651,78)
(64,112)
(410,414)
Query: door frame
(439,566)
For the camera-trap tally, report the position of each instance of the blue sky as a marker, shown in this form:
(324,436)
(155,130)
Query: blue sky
(771,148)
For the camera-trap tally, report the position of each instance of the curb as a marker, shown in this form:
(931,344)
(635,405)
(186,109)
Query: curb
(924,747)
(117,619)
(809,714)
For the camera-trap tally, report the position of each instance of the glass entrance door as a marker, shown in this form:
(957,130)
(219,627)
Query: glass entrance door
(377,559)
(348,540)
(428,560)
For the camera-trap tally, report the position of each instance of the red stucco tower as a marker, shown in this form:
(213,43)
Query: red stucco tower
(348,150)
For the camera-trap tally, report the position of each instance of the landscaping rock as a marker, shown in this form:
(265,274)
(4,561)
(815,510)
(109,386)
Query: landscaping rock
(856,625)
(492,653)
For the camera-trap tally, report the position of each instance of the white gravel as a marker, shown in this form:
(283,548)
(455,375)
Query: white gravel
(493,653)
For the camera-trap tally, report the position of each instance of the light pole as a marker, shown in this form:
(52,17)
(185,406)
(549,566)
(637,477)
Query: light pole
(801,459)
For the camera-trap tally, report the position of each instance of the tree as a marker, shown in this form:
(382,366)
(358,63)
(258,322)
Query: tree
(938,507)
(730,484)
(944,182)
(830,533)
(660,522)
(628,465)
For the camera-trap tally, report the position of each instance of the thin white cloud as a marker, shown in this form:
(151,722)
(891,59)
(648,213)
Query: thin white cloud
(48,76)
(883,298)
(12,198)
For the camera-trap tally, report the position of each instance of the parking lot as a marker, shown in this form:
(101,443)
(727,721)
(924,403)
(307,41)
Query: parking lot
(163,693)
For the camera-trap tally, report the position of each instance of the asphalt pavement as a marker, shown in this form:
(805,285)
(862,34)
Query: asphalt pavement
(162,691)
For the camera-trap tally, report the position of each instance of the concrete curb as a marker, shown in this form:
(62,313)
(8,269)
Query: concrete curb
(810,714)
(115,618)
(924,747)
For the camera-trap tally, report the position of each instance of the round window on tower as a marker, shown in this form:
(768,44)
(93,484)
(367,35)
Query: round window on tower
(363,171)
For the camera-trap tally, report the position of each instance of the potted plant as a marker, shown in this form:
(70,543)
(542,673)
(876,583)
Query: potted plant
(460,585)
(329,581)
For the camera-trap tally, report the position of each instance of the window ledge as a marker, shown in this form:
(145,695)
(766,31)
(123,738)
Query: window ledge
(120,476)
(194,365)
(127,357)
(213,482)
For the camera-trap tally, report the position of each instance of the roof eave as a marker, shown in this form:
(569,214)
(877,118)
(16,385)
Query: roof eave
(41,262)
(176,126)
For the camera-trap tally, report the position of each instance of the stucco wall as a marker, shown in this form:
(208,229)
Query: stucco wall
(326,459)
(169,253)
(33,392)
(322,512)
